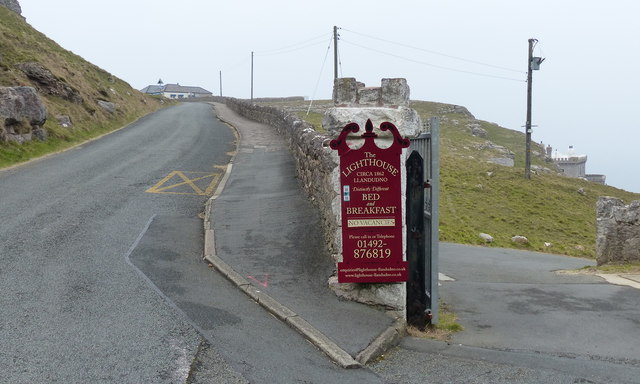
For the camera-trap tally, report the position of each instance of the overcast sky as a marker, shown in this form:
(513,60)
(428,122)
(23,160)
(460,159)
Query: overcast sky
(465,52)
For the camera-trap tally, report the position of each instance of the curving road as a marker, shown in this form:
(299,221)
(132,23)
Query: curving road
(73,308)
(102,276)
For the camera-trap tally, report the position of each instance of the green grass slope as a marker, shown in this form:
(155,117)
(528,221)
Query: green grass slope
(19,44)
(481,197)
(478,196)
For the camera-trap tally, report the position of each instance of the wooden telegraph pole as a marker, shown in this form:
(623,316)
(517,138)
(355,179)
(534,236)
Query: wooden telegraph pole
(335,52)
(251,76)
(533,64)
(527,161)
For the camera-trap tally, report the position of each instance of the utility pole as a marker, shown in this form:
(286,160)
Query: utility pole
(533,63)
(251,76)
(220,83)
(335,52)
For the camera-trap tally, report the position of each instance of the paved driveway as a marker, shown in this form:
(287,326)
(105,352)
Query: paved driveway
(514,300)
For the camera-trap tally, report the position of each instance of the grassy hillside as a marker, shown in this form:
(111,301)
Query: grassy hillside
(479,196)
(20,44)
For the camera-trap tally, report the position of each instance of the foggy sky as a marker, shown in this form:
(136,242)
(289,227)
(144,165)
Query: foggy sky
(465,52)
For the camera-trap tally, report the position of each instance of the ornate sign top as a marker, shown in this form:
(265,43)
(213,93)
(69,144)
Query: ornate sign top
(340,144)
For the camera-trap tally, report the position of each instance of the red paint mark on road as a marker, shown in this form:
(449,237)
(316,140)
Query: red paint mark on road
(264,283)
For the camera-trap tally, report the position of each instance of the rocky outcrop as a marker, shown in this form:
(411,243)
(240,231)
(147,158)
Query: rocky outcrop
(617,231)
(49,84)
(12,5)
(107,106)
(22,114)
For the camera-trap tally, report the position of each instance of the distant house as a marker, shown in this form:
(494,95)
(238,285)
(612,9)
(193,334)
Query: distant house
(175,91)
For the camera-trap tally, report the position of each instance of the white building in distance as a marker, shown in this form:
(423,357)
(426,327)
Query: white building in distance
(175,91)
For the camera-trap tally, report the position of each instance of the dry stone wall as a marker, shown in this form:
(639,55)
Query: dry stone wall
(317,164)
(617,231)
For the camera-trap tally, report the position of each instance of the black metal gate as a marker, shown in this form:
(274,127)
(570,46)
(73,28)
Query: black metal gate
(423,182)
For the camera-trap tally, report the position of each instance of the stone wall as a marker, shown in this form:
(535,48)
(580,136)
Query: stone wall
(318,171)
(617,231)
(315,161)
(317,165)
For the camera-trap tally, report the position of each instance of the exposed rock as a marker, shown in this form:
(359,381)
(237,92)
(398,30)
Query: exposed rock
(444,109)
(40,134)
(617,231)
(520,240)
(12,5)
(22,114)
(64,121)
(504,161)
(47,83)
(107,106)
(486,237)
(582,192)
(539,169)
(477,130)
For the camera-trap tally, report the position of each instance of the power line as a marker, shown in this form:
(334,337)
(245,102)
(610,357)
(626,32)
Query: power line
(294,47)
(320,75)
(437,53)
(431,65)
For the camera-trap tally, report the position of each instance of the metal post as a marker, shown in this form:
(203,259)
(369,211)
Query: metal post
(434,176)
(527,161)
(220,83)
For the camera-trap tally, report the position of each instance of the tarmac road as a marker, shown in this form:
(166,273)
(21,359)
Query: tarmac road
(73,309)
(102,276)
(524,323)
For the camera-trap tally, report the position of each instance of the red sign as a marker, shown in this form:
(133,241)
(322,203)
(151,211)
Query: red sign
(371,207)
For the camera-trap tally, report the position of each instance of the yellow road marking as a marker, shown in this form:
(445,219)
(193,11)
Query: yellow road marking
(166,186)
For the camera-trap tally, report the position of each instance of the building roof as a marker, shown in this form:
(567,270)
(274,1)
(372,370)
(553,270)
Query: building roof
(177,88)
(152,89)
(184,89)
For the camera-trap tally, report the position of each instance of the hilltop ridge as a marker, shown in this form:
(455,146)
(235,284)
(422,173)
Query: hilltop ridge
(81,99)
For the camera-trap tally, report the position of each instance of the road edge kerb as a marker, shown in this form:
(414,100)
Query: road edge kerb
(387,339)
(281,312)
(619,280)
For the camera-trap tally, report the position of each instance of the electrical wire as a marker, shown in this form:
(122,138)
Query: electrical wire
(431,65)
(235,66)
(313,96)
(293,47)
(437,53)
